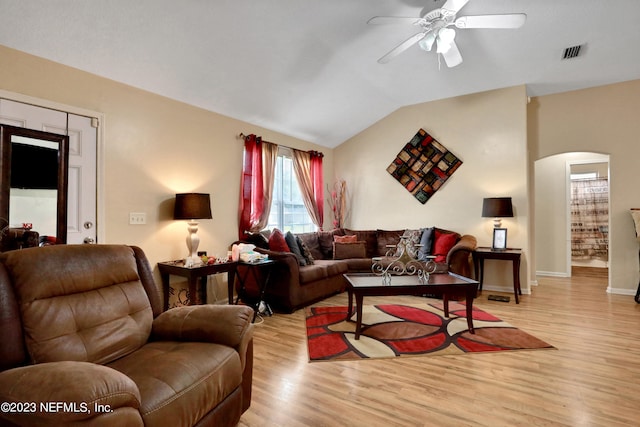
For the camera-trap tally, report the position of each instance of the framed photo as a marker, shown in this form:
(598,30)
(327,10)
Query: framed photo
(499,239)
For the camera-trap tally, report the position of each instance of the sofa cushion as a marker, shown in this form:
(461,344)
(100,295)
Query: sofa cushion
(325,240)
(181,379)
(311,273)
(277,241)
(311,242)
(426,242)
(443,243)
(335,268)
(292,243)
(358,265)
(387,237)
(321,269)
(349,250)
(369,237)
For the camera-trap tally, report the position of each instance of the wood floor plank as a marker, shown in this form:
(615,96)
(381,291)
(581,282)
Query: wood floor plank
(592,378)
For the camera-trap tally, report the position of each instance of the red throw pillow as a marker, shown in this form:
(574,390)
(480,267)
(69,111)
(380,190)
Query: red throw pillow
(352,238)
(443,244)
(277,242)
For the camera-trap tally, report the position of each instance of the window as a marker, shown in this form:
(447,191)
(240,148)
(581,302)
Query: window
(288,212)
(584,175)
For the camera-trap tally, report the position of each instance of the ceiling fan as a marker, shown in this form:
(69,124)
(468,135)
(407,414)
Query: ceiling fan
(435,28)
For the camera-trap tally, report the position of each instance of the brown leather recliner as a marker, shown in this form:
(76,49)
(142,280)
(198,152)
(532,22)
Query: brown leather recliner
(84,341)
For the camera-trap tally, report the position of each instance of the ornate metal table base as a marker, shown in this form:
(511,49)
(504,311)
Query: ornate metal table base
(402,263)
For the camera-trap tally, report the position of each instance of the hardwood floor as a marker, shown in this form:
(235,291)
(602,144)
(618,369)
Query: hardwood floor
(592,379)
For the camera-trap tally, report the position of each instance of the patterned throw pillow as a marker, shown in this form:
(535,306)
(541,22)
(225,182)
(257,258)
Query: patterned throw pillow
(306,253)
(352,238)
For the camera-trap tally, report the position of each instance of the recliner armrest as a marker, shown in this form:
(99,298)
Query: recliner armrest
(222,324)
(40,392)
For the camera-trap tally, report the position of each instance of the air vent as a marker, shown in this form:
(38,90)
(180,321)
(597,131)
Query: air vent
(572,52)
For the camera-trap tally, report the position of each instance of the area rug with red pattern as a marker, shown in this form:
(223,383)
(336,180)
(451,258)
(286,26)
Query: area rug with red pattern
(410,330)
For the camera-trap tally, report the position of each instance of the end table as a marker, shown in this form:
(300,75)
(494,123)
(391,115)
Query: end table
(192,274)
(260,271)
(510,254)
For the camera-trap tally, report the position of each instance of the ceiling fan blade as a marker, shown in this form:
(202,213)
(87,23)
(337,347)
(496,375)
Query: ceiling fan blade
(513,20)
(393,20)
(454,5)
(402,47)
(452,56)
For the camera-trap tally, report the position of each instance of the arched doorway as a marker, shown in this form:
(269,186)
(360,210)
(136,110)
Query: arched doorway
(553,222)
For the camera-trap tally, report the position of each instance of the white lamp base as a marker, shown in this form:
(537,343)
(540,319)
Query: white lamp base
(193,240)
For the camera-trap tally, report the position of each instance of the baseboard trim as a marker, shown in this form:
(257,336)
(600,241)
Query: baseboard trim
(508,289)
(552,274)
(621,291)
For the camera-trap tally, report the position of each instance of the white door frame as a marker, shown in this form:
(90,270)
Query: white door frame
(100,209)
(597,159)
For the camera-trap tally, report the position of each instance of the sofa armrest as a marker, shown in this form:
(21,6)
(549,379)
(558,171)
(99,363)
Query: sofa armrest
(284,283)
(222,324)
(39,392)
(458,258)
(286,257)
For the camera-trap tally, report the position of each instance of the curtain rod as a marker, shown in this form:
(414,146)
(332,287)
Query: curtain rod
(242,136)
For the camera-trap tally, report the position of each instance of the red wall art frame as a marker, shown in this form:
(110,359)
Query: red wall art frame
(423,166)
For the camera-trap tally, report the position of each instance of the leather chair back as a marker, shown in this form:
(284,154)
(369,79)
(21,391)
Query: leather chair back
(94,308)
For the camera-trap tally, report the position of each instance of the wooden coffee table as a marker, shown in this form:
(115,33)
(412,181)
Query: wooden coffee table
(447,284)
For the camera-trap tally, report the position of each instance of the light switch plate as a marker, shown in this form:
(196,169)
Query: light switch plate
(137,218)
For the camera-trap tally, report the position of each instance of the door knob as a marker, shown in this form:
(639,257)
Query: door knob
(89,240)
(88,225)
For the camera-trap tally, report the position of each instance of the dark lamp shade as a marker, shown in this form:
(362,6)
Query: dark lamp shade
(192,206)
(497,207)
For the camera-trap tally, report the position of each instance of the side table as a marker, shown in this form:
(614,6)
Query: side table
(192,274)
(510,254)
(260,272)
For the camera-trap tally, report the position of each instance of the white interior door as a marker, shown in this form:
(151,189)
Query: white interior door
(81,197)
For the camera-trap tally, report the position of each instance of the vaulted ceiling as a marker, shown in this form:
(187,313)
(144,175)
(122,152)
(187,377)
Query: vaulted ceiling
(309,68)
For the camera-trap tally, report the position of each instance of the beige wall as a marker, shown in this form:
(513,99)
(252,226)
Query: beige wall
(487,131)
(602,120)
(153,148)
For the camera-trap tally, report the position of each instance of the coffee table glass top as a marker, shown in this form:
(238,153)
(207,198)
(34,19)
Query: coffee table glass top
(368,280)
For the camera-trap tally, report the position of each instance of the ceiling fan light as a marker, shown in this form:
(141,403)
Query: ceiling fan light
(445,38)
(427,42)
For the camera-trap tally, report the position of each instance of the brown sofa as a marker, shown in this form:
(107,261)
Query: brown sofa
(18,238)
(293,286)
(85,342)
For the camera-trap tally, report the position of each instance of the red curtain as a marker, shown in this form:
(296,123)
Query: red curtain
(252,188)
(317,180)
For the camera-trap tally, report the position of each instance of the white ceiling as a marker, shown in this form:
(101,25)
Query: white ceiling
(308,68)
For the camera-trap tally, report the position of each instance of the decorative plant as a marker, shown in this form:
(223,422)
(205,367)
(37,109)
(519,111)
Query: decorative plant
(338,203)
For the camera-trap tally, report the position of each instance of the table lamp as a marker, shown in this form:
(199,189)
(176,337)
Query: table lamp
(190,207)
(496,208)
